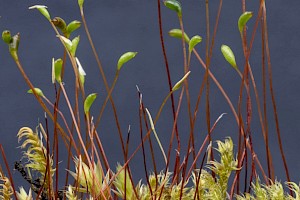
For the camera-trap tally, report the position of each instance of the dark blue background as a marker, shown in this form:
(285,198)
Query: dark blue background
(132,25)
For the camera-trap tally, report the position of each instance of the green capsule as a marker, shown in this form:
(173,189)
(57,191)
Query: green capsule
(6,37)
(244,18)
(43,10)
(57,67)
(88,102)
(81,71)
(82,79)
(67,42)
(72,26)
(38,91)
(14,46)
(80,3)
(179,83)
(125,58)
(60,23)
(173,5)
(75,43)
(194,41)
(228,55)
(177,33)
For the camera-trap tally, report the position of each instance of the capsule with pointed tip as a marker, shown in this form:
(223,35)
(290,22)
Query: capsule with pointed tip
(43,10)
(179,83)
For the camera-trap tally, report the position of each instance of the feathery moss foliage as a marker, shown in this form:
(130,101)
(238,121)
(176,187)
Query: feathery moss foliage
(6,190)
(274,191)
(90,180)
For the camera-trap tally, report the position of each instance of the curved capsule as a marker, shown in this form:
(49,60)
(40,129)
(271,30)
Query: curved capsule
(125,58)
(194,41)
(244,18)
(72,26)
(173,5)
(88,102)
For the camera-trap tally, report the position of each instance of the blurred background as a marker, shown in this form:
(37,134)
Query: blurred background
(132,25)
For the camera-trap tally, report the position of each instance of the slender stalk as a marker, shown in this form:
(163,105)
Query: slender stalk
(271,175)
(107,98)
(229,103)
(206,78)
(72,141)
(103,77)
(75,123)
(167,69)
(38,98)
(141,135)
(273,96)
